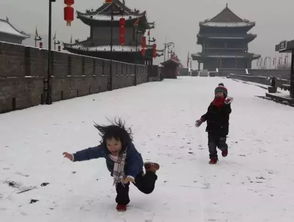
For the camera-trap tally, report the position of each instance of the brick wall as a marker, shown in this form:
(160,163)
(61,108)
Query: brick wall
(23,70)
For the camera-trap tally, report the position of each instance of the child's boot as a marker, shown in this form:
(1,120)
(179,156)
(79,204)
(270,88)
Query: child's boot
(121,207)
(225,152)
(213,160)
(151,167)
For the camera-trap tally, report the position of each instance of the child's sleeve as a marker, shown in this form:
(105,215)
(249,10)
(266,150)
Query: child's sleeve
(89,153)
(205,116)
(228,109)
(134,162)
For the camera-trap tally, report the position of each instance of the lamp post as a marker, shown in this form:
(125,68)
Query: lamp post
(111,46)
(48,85)
(136,24)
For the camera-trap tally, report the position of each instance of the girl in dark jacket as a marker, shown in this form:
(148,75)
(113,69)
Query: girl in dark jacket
(217,117)
(122,160)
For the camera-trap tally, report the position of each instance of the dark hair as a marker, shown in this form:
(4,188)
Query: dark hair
(116,130)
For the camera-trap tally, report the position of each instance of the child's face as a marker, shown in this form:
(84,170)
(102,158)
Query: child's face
(114,146)
(219,94)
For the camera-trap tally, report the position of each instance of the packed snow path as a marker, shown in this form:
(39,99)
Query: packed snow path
(253,183)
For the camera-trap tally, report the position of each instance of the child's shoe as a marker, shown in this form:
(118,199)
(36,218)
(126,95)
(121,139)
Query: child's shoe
(225,152)
(151,167)
(121,207)
(213,161)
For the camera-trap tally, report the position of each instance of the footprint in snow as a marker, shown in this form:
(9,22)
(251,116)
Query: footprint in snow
(44,184)
(33,201)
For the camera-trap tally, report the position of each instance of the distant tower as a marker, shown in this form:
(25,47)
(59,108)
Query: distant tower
(102,39)
(9,33)
(224,41)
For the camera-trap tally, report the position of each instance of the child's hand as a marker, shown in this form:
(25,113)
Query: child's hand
(68,156)
(129,179)
(198,122)
(228,100)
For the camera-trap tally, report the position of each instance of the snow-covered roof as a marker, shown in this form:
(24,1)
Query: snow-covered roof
(227,18)
(7,28)
(226,37)
(226,56)
(100,17)
(106,48)
(228,24)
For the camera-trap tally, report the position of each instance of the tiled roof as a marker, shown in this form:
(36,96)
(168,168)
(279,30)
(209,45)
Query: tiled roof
(7,28)
(226,15)
(227,18)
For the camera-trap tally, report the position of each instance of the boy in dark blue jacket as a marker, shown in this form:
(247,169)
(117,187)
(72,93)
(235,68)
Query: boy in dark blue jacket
(217,118)
(123,161)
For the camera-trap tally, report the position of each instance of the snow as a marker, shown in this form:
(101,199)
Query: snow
(226,37)
(253,183)
(221,56)
(119,48)
(100,17)
(5,27)
(227,24)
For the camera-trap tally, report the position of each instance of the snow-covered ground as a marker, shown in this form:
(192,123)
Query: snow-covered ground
(254,183)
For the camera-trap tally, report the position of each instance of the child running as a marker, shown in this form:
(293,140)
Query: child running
(217,118)
(123,161)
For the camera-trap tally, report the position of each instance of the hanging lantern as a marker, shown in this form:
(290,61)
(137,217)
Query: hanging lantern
(143,45)
(143,42)
(143,51)
(69,2)
(122,31)
(68,12)
(154,54)
(68,15)
(122,21)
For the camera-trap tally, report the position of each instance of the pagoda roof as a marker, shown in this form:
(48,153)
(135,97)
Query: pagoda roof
(248,37)
(174,59)
(7,28)
(101,48)
(227,18)
(236,56)
(103,17)
(118,10)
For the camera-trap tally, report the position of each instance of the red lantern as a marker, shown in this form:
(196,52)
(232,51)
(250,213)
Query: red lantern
(154,53)
(122,31)
(68,15)
(108,1)
(122,21)
(69,2)
(143,51)
(143,42)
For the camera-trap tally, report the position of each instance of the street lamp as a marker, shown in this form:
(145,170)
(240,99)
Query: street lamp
(111,46)
(166,47)
(48,86)
(136,25)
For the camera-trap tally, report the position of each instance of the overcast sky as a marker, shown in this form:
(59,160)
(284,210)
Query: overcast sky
(176,21)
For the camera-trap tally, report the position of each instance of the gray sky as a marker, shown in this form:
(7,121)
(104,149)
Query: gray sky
(176,21)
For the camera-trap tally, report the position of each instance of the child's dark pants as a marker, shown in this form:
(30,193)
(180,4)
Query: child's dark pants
(215,141)
(145,183)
